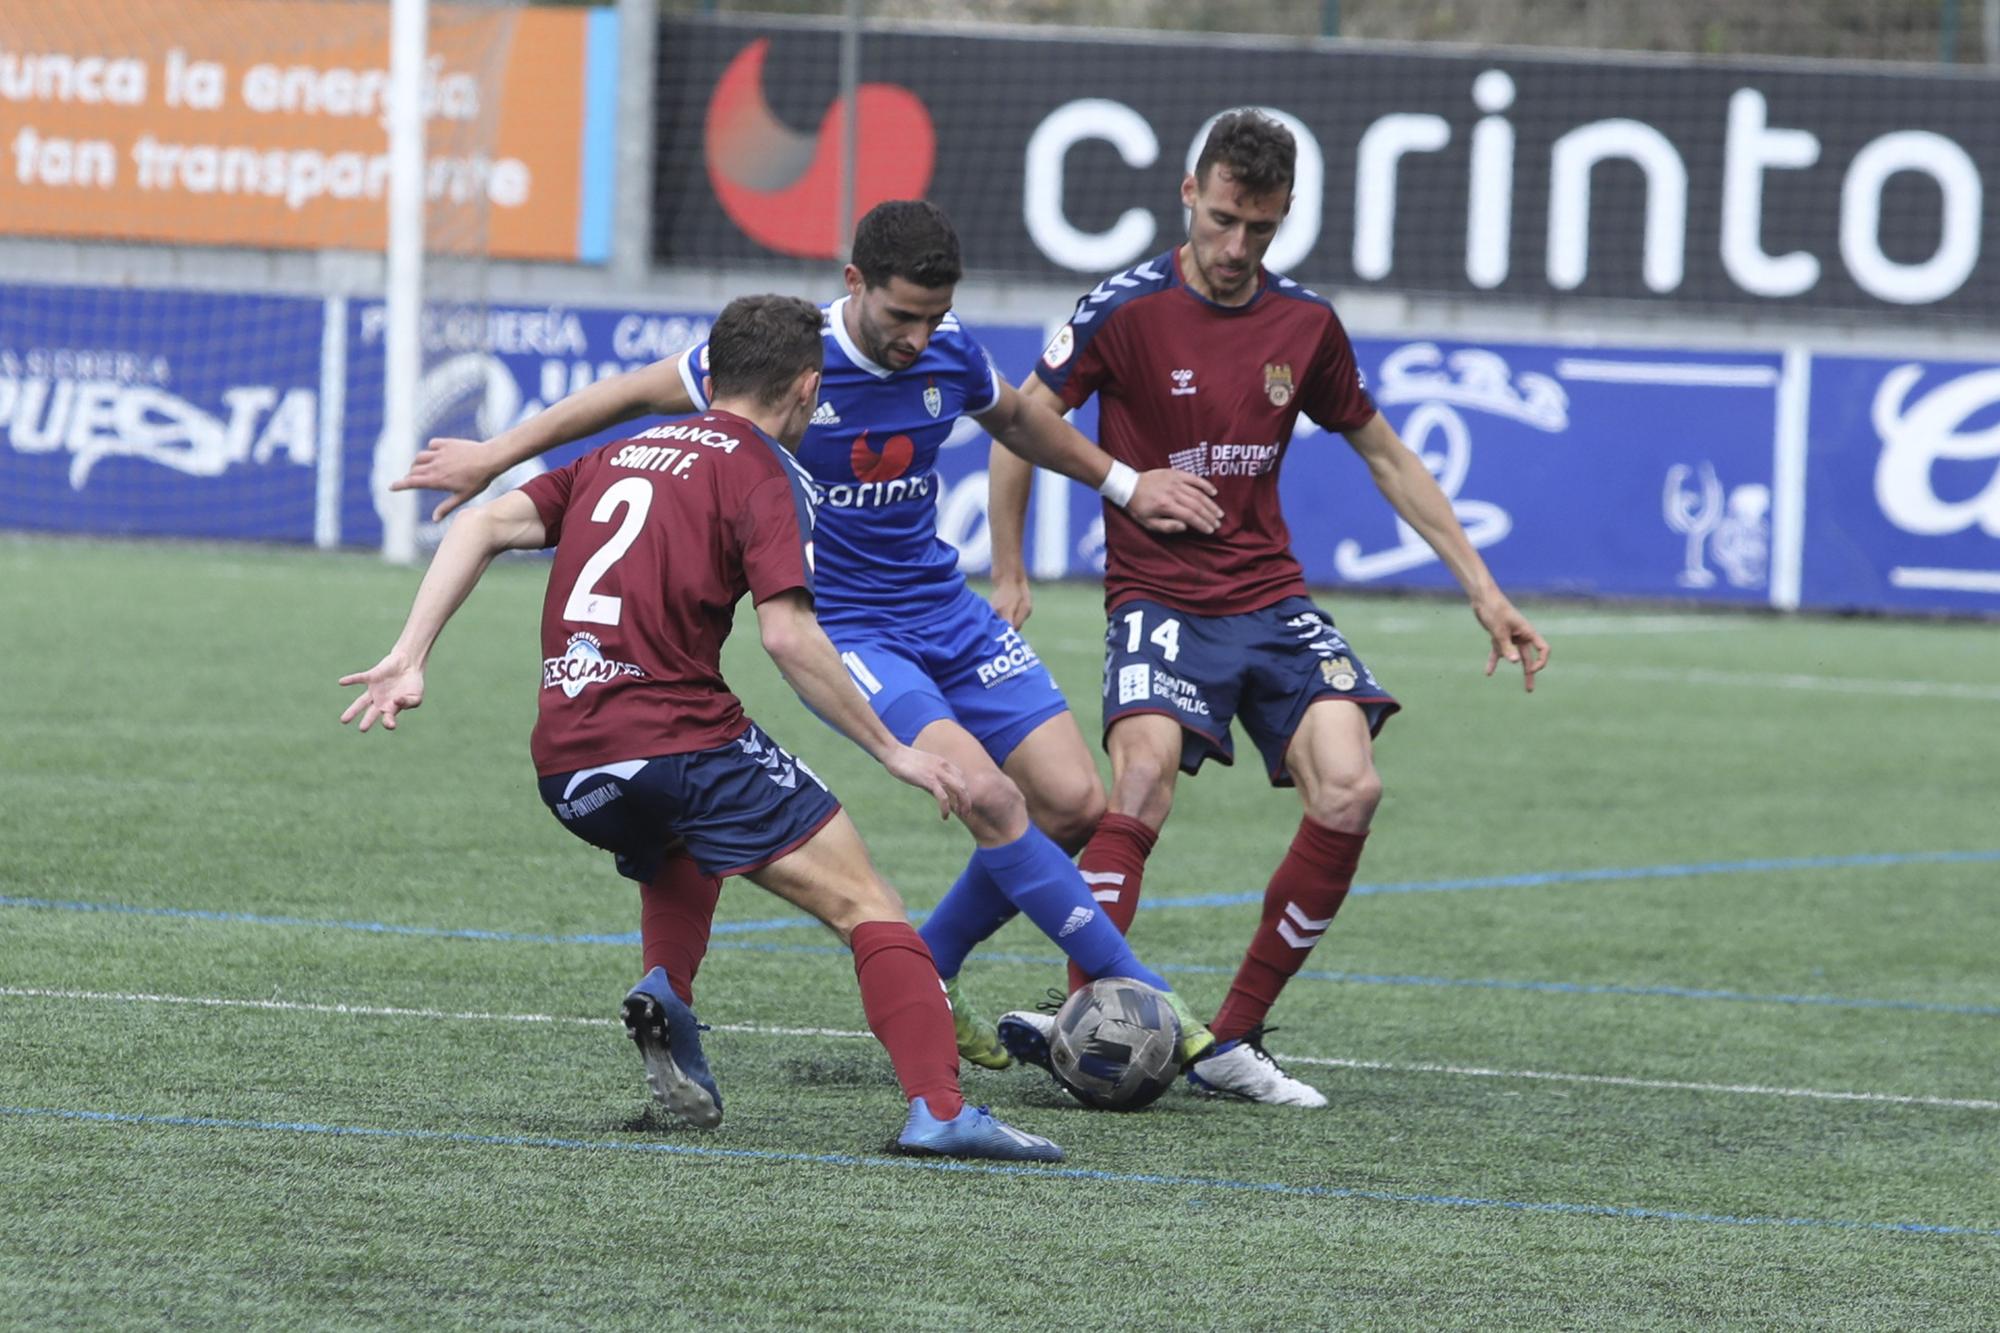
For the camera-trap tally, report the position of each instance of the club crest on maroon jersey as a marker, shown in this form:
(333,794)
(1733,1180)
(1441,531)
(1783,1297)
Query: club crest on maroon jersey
(1278,383)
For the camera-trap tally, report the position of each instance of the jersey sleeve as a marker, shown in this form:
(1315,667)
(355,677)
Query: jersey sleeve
(982,381)
(1335,396)
(550,493)
(693,365)
(774,530)
(1076,362)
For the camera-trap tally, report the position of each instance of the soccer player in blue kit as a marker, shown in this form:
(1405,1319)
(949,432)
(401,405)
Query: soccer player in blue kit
(1203,359)
(945,673)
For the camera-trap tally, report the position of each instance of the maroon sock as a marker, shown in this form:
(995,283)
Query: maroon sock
(905,1004)
(1305,892)
(676,908)
(1113,863)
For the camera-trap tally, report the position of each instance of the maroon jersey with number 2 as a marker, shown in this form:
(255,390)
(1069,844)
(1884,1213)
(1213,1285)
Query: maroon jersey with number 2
(1214,390)
(657,538)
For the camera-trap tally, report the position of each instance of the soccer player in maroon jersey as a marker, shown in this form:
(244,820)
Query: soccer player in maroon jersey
(1203,360)
(642,749)
(941,668)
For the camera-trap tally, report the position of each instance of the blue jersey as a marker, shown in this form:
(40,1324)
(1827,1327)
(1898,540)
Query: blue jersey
(871,451)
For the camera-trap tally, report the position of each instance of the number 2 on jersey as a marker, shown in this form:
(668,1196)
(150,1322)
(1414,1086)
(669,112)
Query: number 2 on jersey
(586,604)
(1166,636)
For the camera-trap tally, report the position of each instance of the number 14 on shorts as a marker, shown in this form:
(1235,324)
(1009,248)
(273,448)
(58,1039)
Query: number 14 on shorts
(1166,635)
(1136,680)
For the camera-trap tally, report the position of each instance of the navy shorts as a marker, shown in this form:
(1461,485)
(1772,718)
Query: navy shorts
(966,665)
(737,807)
(1265,666)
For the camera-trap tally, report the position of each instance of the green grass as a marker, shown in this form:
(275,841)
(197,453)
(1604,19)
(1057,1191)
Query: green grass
(168,743)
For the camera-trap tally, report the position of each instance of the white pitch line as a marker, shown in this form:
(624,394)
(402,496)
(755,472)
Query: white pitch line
(1914,689)
(1568,627)
(1904,689)
(765,1030)
(1663,1084)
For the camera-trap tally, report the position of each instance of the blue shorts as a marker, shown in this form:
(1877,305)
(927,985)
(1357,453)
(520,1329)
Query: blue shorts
(737,807)
(967,666)
(1266,665)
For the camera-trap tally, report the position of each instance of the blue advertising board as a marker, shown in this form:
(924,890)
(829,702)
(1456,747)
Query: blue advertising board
(1757,478)
(1902,497)
(1626,473)
(160,413)
(485,369)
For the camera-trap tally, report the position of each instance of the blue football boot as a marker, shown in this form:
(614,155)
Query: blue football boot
(973,1132)
(669,1042)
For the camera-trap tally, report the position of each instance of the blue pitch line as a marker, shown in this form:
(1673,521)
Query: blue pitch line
(1468,983)
(381,927)
(991,1169)
(1612,874)
(630,938)
(368,927)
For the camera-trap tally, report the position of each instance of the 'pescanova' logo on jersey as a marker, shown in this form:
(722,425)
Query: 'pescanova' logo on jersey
(582,663)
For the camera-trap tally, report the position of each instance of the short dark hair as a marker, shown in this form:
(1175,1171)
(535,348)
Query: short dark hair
(1258,150)
(910,239)
(759,344)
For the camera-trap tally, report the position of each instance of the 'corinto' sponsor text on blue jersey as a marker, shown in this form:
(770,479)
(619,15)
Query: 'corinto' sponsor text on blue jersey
(871,452)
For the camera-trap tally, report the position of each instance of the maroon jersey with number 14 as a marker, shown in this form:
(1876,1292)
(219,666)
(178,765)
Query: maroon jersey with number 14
(657,538)
(1214,390)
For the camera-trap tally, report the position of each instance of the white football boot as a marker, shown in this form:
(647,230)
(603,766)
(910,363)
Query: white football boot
(1025,1035)
(1243,1069)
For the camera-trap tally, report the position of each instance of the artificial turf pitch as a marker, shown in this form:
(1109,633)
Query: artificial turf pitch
(1669,998)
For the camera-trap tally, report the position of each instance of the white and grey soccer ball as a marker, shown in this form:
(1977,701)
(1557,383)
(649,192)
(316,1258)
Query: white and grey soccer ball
(1116,1044)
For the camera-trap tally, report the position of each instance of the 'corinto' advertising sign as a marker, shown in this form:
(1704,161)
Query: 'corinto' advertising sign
(1790,186)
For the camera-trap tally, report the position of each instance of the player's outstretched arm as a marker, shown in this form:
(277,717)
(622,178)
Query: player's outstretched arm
(396,683)
(807,660)
(1008,480)
(467,467)
(1163,499)
(1413,492)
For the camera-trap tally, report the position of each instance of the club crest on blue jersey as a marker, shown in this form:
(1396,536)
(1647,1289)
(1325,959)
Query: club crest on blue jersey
(933,398)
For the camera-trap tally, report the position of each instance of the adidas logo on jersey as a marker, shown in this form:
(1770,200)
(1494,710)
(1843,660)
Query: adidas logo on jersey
(824,415)
(1079,917)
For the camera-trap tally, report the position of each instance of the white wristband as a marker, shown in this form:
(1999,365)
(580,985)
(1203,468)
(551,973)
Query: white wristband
(1118,484)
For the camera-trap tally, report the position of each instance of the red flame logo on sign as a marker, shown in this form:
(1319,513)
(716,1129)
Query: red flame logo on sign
(783,187)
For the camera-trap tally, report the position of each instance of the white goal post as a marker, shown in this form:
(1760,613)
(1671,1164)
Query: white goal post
(403,362)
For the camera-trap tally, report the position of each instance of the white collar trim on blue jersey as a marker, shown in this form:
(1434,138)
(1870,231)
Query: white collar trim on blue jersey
(838,322)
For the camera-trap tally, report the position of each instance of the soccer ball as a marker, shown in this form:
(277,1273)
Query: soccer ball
(1116,1044)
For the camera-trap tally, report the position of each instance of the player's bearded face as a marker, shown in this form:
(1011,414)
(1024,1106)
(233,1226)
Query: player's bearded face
(893,323)
(1229,229)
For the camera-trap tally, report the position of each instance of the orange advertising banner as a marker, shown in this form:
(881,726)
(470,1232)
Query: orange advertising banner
(264,123)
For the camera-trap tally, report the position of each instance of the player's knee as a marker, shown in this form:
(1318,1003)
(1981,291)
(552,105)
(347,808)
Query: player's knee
(1144,789)
(860,901)
(1068,811)
(1346,800)
(995,807)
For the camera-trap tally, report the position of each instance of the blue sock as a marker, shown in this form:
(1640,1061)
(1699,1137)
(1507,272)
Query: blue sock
(1045,883)
(969,913)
